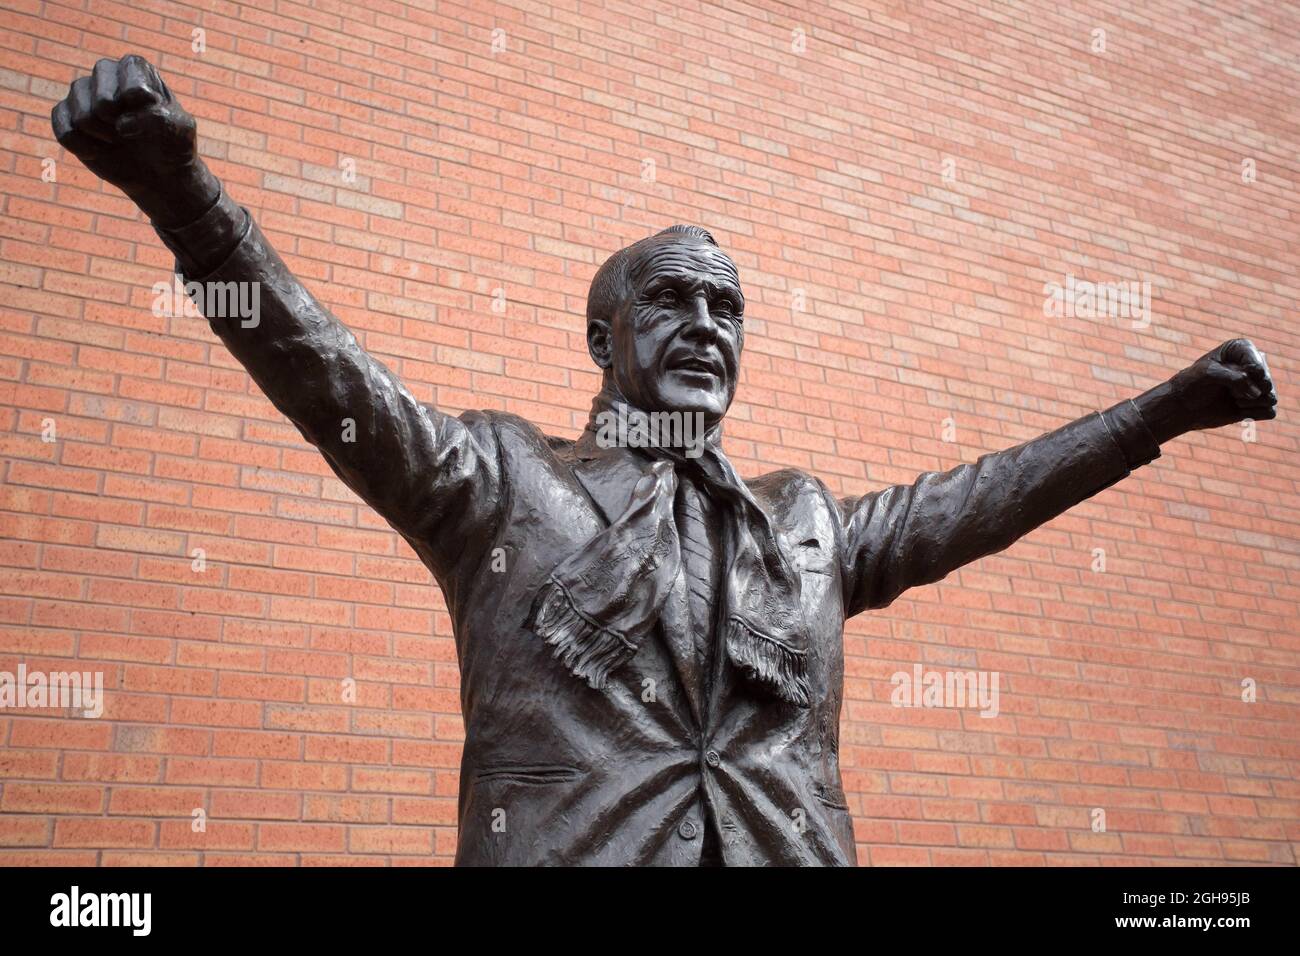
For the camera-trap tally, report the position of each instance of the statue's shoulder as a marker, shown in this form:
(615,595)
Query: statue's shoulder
(798,504)
(787,488)
(516,435)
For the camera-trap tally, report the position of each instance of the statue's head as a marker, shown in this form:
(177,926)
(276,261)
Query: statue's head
(665,320)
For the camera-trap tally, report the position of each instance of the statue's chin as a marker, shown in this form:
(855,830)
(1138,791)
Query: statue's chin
(709,407)
(692,394)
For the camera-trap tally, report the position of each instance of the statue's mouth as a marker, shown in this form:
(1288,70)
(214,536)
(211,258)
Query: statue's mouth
(697,365)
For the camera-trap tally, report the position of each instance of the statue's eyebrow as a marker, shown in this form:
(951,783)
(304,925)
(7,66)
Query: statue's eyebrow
(687,281)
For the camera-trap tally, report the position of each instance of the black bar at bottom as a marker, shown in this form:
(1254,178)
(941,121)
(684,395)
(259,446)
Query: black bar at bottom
(333,906)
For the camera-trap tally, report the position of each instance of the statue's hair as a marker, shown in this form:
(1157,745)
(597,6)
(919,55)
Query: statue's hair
(612,283)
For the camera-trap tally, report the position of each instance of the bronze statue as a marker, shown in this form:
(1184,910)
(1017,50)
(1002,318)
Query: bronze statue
(650,647)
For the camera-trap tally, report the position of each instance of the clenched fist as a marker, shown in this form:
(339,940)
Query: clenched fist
(124,124)
(1228,384)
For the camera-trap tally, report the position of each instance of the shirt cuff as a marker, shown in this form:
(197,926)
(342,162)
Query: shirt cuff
(1130,432)
(209,240)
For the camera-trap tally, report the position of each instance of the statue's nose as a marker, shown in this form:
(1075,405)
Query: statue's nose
(702,321)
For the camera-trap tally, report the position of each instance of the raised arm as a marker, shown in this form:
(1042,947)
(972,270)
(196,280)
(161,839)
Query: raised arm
(917,534)
(432,476)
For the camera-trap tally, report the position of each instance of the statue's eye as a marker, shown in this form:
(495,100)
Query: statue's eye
(666,297)
(728,309)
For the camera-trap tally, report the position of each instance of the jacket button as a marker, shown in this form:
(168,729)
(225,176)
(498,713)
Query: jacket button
(686,830)
(712,759)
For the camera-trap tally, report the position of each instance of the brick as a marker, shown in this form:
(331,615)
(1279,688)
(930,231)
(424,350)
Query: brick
(256,805)
(319,838)
(112,768)
(51,798)
(217,835)
(103,833)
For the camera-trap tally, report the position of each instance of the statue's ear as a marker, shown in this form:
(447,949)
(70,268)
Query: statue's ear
(600,342)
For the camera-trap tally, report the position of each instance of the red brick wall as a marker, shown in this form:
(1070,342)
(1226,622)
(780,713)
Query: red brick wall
(820,169)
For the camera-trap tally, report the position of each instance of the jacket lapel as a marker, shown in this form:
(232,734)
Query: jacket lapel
(609,476)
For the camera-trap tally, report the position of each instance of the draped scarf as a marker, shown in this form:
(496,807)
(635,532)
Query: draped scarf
(599,604)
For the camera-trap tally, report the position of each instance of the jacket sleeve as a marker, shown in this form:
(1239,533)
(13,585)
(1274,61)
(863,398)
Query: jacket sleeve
(915,534)
(432,476)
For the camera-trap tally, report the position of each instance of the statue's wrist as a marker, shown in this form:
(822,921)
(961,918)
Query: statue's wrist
(204,243)
(1163,412)
(181,199)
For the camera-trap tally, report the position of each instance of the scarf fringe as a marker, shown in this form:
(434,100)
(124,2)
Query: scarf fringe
(586,649)
(781,669)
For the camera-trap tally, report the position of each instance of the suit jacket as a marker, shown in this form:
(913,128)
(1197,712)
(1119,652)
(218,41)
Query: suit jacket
(554,771)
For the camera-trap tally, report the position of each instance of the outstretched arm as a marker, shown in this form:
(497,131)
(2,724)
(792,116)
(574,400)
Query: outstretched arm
(917,534)
(433,477)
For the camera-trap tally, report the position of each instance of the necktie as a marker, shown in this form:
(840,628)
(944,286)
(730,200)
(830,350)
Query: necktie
(697,531)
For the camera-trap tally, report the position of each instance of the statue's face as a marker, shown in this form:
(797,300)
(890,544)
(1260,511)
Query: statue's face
(677,341)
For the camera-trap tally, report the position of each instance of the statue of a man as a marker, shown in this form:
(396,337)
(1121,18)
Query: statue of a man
(650,647)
